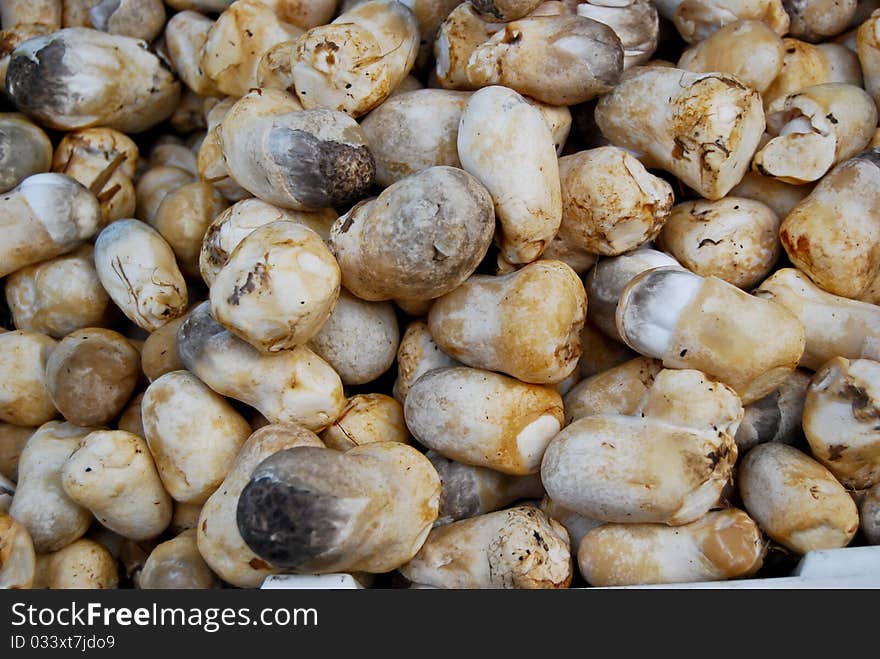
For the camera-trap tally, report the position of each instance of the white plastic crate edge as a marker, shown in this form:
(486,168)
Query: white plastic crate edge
(311,582)
(853,567)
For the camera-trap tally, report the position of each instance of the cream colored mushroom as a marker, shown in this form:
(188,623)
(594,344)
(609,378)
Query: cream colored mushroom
(210,162)
(484,419)
(354,63)
(359,339)
(182,219)
(795,500)
(560,60)
(734,239)
(832,235)
(698,19)
(113,475)
(418,353)
(278,287)
(835,326)
(77,77)
(805,65)
(185,516)
(58,296)
(419,239)
(159,352)
(236,42)
(51,517)
(141,19)
(185,37)
(193,434)
(841,412)
(25,399)
(725,544)
(238,221)
(576,525)
(816,128)
(526,324)
(750,344)
(17,558)
(292,386)
(177,564)
(154,185)
(818,20)
(130,420)
(16,12)
(25,150)
(635,22)
(515,548)
(413,131)
(12,442)
(702,127)
(610,203)
(609,468)
(91,375)
(367,418)
(297,159)
(81,565)
(750,50)
(315,510)
(219,540)
(138,270)
(617,390)
(45,216)
(780,196)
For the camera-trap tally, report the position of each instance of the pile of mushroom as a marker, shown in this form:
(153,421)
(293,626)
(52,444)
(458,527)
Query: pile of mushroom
(440,294)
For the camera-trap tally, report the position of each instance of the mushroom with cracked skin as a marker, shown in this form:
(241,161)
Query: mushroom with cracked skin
(814,129)
(278,287)
(138,270)
(354,63)
(702,127)
(840,420)
(367,418)
(515,548)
